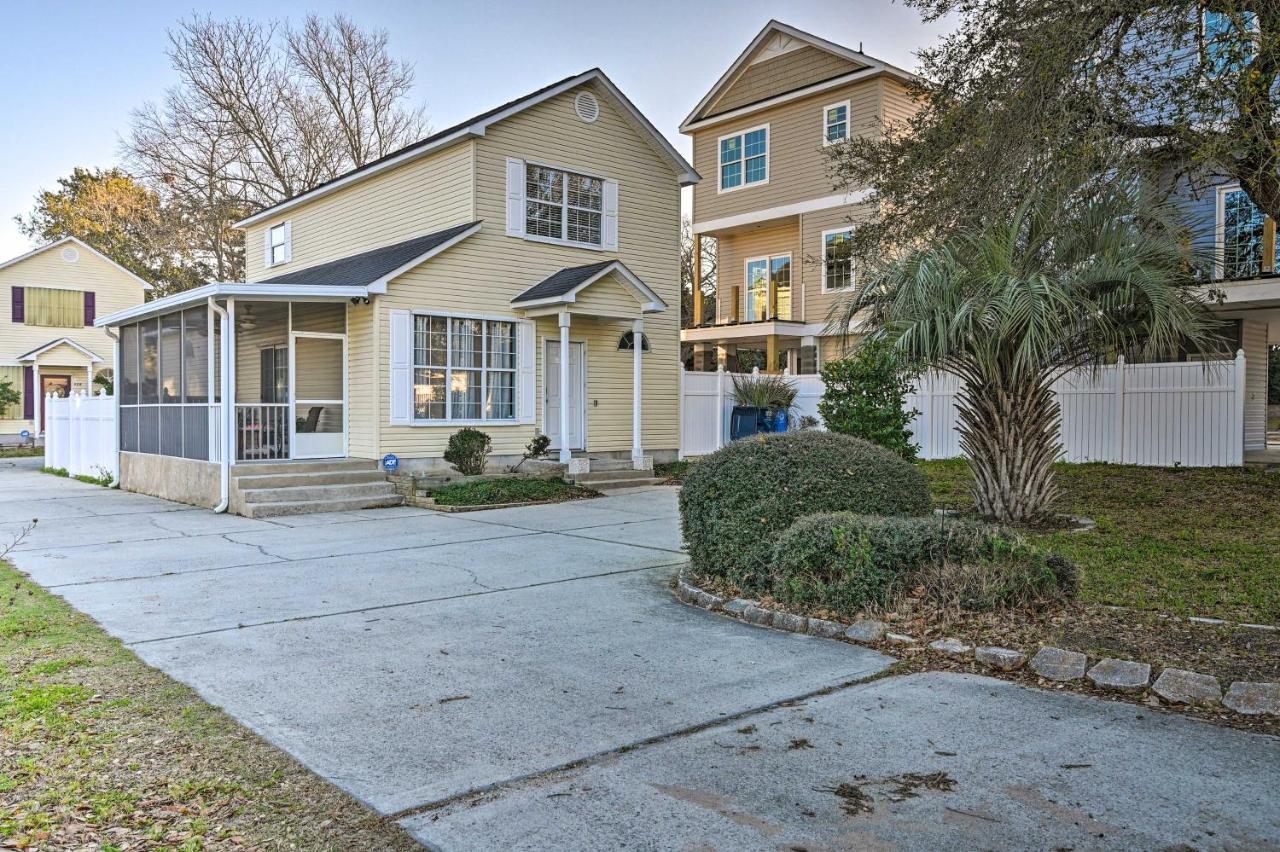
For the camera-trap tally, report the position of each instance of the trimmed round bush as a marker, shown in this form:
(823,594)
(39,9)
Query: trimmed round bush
(847,563)
(738,500)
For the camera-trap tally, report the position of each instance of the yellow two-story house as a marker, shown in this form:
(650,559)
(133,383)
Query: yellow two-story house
(49,299)
(517,273)
(761,137)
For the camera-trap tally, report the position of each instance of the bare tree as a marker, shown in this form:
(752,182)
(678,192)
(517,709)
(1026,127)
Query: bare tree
(708,285)
(262,113)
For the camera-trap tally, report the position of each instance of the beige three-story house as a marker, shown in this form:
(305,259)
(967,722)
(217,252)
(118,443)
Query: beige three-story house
(517,273)
(761,139)
(48,345)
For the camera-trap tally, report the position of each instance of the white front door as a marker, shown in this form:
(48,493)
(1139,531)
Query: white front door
(577,396)
(318,388)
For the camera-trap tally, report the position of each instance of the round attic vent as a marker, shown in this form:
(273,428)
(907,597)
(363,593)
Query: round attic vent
(70,254)
(586,106)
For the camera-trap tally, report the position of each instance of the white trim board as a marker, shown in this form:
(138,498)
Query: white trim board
(477,128)
(813,205)
(53,344)
(224,289)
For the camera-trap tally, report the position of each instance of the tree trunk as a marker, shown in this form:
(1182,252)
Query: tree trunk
(1009,431)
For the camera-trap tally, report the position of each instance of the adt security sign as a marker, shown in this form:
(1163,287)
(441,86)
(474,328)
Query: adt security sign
(390,463)
(25,435)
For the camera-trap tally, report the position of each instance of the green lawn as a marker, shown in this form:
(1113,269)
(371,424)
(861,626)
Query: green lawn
(1181,541)
(20,452)
(495,492)
(102,752)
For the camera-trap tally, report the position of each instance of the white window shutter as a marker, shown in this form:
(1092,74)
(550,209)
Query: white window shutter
(526,372)
(609,227)
(288,241)
(401,367)
(266,247)
(515,197)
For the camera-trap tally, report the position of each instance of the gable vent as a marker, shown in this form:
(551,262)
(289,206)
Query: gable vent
(70,254)
(586,106)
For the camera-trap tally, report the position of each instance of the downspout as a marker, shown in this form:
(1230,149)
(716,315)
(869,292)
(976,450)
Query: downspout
(225,462)
(116,379)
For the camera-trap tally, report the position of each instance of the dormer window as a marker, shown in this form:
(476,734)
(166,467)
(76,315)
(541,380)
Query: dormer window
(279,248)
(744,159)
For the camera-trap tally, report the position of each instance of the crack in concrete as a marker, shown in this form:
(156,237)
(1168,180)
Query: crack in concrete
(379,607)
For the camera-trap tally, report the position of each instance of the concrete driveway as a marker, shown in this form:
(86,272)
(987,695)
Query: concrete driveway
(523,679)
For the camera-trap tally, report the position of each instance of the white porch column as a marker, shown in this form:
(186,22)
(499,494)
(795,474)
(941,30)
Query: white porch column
(88,382)
(38,392)
(637,394)
(565,453)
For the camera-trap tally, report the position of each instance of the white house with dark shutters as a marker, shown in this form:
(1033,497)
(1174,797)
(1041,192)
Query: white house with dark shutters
(49,299)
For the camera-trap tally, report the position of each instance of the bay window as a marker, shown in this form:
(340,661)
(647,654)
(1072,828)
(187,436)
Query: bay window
(463,369)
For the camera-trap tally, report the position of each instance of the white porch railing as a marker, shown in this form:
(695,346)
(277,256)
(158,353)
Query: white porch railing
(262,431)
(80,434)
(1189,414)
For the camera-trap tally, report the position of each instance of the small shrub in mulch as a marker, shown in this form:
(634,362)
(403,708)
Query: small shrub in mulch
(468,451)
(496,492)
(739,499)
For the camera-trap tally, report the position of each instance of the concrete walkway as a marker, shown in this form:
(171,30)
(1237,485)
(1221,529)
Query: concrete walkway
(523,679)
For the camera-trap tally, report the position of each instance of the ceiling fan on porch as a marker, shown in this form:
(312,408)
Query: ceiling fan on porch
(246,321)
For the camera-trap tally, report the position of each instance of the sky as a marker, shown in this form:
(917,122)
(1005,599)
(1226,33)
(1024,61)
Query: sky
(74,71)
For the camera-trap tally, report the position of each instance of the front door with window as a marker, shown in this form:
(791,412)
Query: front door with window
(318,390)
(59,386)
(577,396)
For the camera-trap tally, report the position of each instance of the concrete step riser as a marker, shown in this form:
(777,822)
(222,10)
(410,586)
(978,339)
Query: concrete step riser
(317,492)
(599,476)
(615,484)
(289,480)
(263,468)
(271,510)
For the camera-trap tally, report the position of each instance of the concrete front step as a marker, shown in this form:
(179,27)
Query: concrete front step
(319,466)
(298,493)
(285,507)
(615,484)
(286,480)
(603,475)
(611,465)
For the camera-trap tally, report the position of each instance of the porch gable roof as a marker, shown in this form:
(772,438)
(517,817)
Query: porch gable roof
(376,267)
(563,286)
(58,341)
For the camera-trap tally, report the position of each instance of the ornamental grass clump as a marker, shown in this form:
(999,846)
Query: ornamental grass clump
(739,499)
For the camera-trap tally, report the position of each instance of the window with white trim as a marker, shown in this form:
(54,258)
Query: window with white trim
(1242,233)
(463,369)
(561,205)
(835,123)
(278,243)
(763,274)
(837,259)
(744,158)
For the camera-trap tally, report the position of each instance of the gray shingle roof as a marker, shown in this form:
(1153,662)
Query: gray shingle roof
(562,282)
(367,267)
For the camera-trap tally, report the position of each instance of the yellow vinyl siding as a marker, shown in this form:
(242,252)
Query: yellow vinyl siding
(418,198)
(12,375)
(54,308)
(114,290)
(731,265)
(786,73)
(607,297)
(818,305)
(797,160)
(362,383)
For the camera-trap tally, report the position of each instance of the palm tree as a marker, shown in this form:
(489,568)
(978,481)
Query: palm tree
(1071,277)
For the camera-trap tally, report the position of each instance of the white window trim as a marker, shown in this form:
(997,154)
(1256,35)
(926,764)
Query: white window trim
(768,268)
(449,316)
(853,278)
(768,143)
(848,114)
(1220,231)
(565,206)
(286,227)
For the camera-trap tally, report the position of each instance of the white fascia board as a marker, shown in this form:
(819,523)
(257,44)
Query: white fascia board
(35,251)
(835,82)
(380,285)
(650,302)
(223,290)
(813,205)
(52,344)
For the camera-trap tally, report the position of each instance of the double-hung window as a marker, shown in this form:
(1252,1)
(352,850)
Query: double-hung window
(837,259)
(278,244)
(1246,235)
(744,158)
(463,369)
(562,205)
(835,123)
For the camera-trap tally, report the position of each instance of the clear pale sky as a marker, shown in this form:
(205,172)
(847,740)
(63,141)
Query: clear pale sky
(71,72)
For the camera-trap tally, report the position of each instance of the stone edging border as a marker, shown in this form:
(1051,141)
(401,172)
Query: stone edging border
(1177,686)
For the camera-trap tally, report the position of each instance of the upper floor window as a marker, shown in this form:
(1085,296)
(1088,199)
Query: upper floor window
(1227,41)
(52,307)
(835,123)
(1246,236)
(463,369)
(279,248)
(562,205)
(744,158)
(837,259)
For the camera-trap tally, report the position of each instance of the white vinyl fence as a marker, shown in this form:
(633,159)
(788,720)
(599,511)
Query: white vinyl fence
(80,434)
(1189,414)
